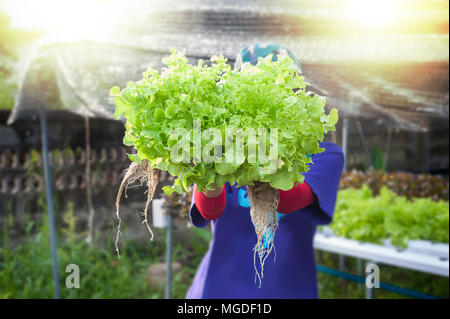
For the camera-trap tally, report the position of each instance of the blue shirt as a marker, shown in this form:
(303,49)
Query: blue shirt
(227,269)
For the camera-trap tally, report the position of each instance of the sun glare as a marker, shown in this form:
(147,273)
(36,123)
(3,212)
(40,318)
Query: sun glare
(372,14)
(70,19)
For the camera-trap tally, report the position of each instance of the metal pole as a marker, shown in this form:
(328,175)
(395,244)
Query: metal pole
(345,141)
(359,266)
(341,262)
(49,193)
(364,144)
(370,292)
(345,151)
(388,147)
(90,237)
(168,256)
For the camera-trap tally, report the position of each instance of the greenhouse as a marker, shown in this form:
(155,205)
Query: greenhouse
(89,182)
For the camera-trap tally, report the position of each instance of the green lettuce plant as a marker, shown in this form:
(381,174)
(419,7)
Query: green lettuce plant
(361,216)
(209,124)
(218,97)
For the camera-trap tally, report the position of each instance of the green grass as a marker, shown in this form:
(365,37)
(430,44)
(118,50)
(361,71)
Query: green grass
(25,270)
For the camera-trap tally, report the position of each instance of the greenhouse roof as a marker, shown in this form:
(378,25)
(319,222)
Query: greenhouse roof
(398,78)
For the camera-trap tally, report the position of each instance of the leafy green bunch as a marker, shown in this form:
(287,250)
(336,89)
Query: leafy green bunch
(361,216)
(269,95)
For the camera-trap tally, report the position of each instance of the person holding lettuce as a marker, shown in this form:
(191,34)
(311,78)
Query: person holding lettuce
(227,269)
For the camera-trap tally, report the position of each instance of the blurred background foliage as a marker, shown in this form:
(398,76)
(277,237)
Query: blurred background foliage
(102,275)
(406,184)
(360,215)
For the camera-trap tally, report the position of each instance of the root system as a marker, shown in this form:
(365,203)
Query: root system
(145,175)
(264,201)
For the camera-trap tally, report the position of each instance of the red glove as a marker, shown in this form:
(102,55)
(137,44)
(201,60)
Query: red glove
(210,208)
(298,197)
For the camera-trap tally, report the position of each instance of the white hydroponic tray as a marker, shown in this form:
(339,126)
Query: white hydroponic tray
(420,255)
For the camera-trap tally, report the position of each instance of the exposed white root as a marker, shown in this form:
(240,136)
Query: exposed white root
(145,175)
(264,201)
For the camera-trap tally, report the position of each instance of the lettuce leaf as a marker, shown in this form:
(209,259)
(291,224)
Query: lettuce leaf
(184,98)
